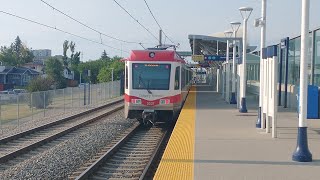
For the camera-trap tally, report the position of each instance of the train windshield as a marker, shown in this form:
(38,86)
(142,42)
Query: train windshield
(151,76)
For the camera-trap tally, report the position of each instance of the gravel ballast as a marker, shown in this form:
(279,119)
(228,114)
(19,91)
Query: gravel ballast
(76,148)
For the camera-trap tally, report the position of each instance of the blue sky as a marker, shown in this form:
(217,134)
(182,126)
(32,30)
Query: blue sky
(177,18)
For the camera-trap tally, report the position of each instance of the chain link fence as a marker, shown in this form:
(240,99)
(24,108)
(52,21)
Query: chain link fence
(23,111)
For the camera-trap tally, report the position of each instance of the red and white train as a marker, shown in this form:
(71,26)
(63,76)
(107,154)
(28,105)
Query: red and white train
(156,85)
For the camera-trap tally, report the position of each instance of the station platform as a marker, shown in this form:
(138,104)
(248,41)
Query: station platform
(212,140)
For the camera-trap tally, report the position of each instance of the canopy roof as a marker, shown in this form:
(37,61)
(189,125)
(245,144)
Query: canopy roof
(215,44)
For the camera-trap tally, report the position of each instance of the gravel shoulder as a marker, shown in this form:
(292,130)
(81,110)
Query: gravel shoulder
(62,158)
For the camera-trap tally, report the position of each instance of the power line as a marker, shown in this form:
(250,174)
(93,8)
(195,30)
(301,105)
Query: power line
(83,24)
(136,20)
(157,21)
(57,29)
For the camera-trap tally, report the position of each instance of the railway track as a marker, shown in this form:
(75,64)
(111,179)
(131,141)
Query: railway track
(22,146)
(131,157)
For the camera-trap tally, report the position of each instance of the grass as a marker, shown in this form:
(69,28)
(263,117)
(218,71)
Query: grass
(9,112)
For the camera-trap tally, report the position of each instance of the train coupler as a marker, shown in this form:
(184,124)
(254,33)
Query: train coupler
(149,117)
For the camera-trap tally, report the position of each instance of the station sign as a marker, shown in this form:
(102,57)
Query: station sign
(184,53)
(198,58)
(215,58)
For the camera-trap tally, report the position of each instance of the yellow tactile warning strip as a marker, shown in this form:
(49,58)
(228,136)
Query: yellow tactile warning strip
(178,159)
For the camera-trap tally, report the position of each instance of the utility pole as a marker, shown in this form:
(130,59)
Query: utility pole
(160,37)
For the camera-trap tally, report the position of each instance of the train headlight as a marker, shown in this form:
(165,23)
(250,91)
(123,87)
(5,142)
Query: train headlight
(164,101)
(136,101)
(152,54)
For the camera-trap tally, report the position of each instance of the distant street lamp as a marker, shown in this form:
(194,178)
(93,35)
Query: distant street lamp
(228,35)
(245,13)
(235,27)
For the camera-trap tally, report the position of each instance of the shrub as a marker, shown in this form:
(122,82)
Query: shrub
(40,99)
(40,84)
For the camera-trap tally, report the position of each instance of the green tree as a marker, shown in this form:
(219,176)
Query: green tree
(54,69)
(17,54)
(104,55)
(72,62)
(75,59)
(105,74)
(65,48)
(96,65)
(17,45)
(72,46)
(118,68)
(7,57)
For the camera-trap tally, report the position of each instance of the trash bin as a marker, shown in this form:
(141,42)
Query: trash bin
(312,102)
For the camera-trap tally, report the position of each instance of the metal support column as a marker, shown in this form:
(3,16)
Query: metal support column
(302,153)
(260,123)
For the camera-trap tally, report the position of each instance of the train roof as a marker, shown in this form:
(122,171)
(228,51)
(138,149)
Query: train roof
(155,55)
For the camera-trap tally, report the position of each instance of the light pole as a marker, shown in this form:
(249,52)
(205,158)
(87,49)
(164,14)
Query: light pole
(262,23)
(111,81)
(235,27)
(302,153)
(245,13)
(228,35)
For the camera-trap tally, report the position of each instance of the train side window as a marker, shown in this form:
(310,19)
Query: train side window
(126,77)
(177,79)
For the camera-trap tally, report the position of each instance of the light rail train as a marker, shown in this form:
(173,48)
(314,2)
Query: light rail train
(157,82)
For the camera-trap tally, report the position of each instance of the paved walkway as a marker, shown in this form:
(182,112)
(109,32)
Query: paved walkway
(212,140)
(228,146)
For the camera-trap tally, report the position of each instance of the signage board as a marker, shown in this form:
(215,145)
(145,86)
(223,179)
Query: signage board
(215,58)
(198,58)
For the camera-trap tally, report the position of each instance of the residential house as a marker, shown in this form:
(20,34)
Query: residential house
(16,76)
(68,74)
(39,67)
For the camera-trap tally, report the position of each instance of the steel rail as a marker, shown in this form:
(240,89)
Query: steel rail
(93,168)
(52,137)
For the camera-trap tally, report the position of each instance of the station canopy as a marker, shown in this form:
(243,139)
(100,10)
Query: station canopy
(215,45)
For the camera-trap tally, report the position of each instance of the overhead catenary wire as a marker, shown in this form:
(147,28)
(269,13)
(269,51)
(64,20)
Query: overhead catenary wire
(136,20)
(93,29)
(157,21)
(61,30)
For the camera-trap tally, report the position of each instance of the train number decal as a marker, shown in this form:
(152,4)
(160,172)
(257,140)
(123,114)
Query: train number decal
(151,103)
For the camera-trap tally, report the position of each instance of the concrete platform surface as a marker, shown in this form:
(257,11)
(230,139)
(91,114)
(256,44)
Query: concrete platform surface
(229,147)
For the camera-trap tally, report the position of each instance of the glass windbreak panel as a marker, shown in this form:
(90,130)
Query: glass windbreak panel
(317,58)
(297,61)
(151,76)
(294,61)
(291,61)
(309,58)
(283,58)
